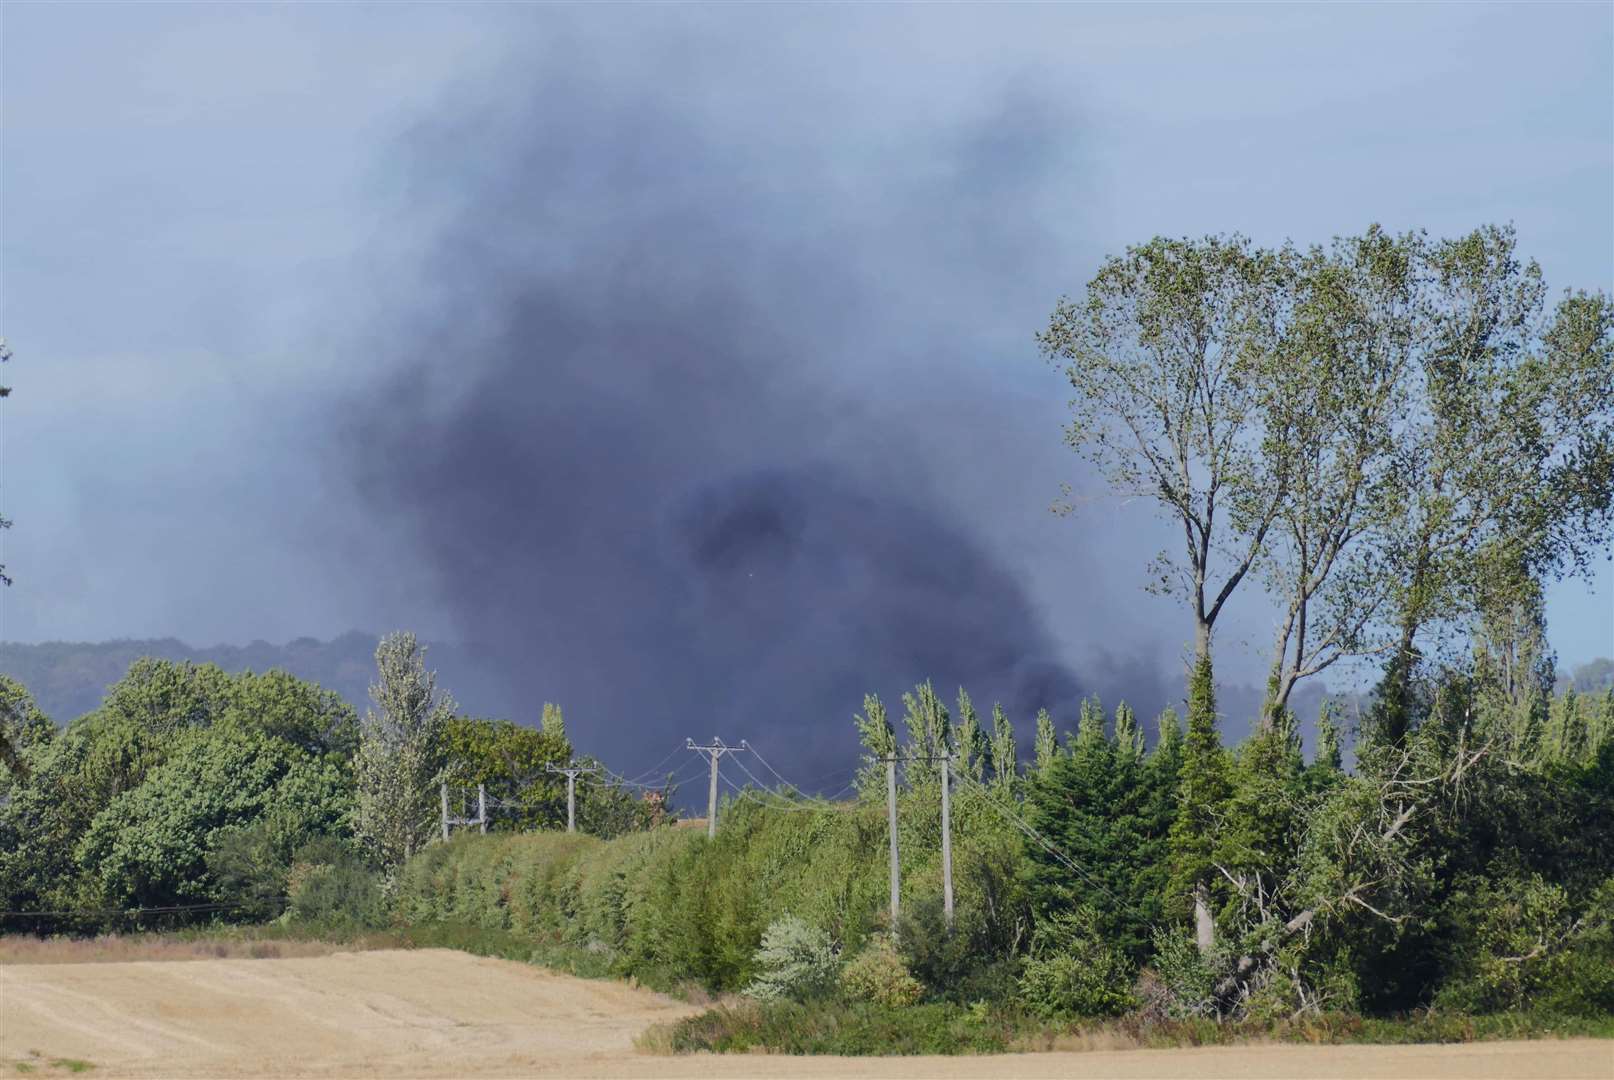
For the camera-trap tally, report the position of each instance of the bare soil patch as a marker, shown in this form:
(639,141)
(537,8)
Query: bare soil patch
(433,1012)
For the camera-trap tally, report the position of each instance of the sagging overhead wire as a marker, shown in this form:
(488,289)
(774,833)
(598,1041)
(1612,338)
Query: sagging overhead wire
(1031,832)
(772,800)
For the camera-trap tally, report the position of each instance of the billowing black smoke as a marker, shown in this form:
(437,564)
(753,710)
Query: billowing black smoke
(654,426)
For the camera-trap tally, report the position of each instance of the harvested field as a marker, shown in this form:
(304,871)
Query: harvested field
(431,1012)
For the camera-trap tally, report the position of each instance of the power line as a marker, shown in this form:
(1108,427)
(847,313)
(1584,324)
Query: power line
(773,800)
(713,751)
(1029,830)
(653,769)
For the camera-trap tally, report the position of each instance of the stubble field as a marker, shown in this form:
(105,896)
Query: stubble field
(439,1013)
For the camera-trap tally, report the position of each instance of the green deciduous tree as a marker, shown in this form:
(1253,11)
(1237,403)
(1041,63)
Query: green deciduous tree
(512,764)
(1005,755)
(929,735)
(1506,464)
(1169,354)
(1340,392)
(879,742)
(150,845)
(974,746)
(1045,746)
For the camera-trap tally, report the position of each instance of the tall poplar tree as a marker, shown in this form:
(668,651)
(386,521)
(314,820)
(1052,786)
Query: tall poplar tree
(402,752)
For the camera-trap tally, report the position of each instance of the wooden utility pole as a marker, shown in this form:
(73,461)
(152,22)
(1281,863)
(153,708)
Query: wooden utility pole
(572,772)
(481,819)
(891,820)
(716,749)
(946,761)
(947,840)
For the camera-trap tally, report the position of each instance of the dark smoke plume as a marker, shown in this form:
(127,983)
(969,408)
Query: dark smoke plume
(652,426)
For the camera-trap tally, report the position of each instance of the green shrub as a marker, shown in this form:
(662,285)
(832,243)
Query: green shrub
(331,885)
(954,963)
(1188,981)
(1522,945)
(829,1027)
(1071,972)
(795,961)
(878,975)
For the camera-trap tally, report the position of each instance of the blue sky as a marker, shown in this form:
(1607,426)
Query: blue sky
(207,209)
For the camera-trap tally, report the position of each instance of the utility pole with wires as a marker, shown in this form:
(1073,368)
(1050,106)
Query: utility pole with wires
(481,819)
(946,760)
(572,771)
(947,839)
(716,749)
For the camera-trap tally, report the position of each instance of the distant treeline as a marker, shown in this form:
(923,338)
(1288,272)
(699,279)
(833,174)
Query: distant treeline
(70,678)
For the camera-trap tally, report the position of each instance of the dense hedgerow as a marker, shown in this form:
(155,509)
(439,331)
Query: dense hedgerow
(670,902)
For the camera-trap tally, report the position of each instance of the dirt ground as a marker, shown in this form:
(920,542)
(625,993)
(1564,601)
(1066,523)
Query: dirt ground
(432,1012)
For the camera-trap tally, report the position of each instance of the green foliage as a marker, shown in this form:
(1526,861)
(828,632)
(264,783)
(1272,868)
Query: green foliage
(1046,745)
(974,745)
(553,723)
(149,846)
(1329,755)
(1072,970)
(511,762)
(879,741)
(959,963)
(1262,820)
(1097,805)
(1202,788)
(144,800)
(929,736)
(794,961)
(1005,756)
(402,753)
(22,725)
(830,1027)
(1185,975)
(878,975)
(330,886)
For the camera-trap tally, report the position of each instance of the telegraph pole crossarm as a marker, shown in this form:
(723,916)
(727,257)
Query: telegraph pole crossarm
(714,750)
(572,770)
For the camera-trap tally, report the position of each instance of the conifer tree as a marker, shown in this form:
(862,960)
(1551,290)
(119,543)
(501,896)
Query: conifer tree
(1090,723)
(1128,733)
(1161,772)
(1202,788)
(1168,731)
(1093,803)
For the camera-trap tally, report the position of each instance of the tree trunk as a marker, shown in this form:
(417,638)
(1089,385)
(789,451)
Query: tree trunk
(1202,637)
(1204,925)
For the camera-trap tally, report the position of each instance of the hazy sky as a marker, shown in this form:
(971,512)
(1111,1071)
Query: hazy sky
(232,233)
